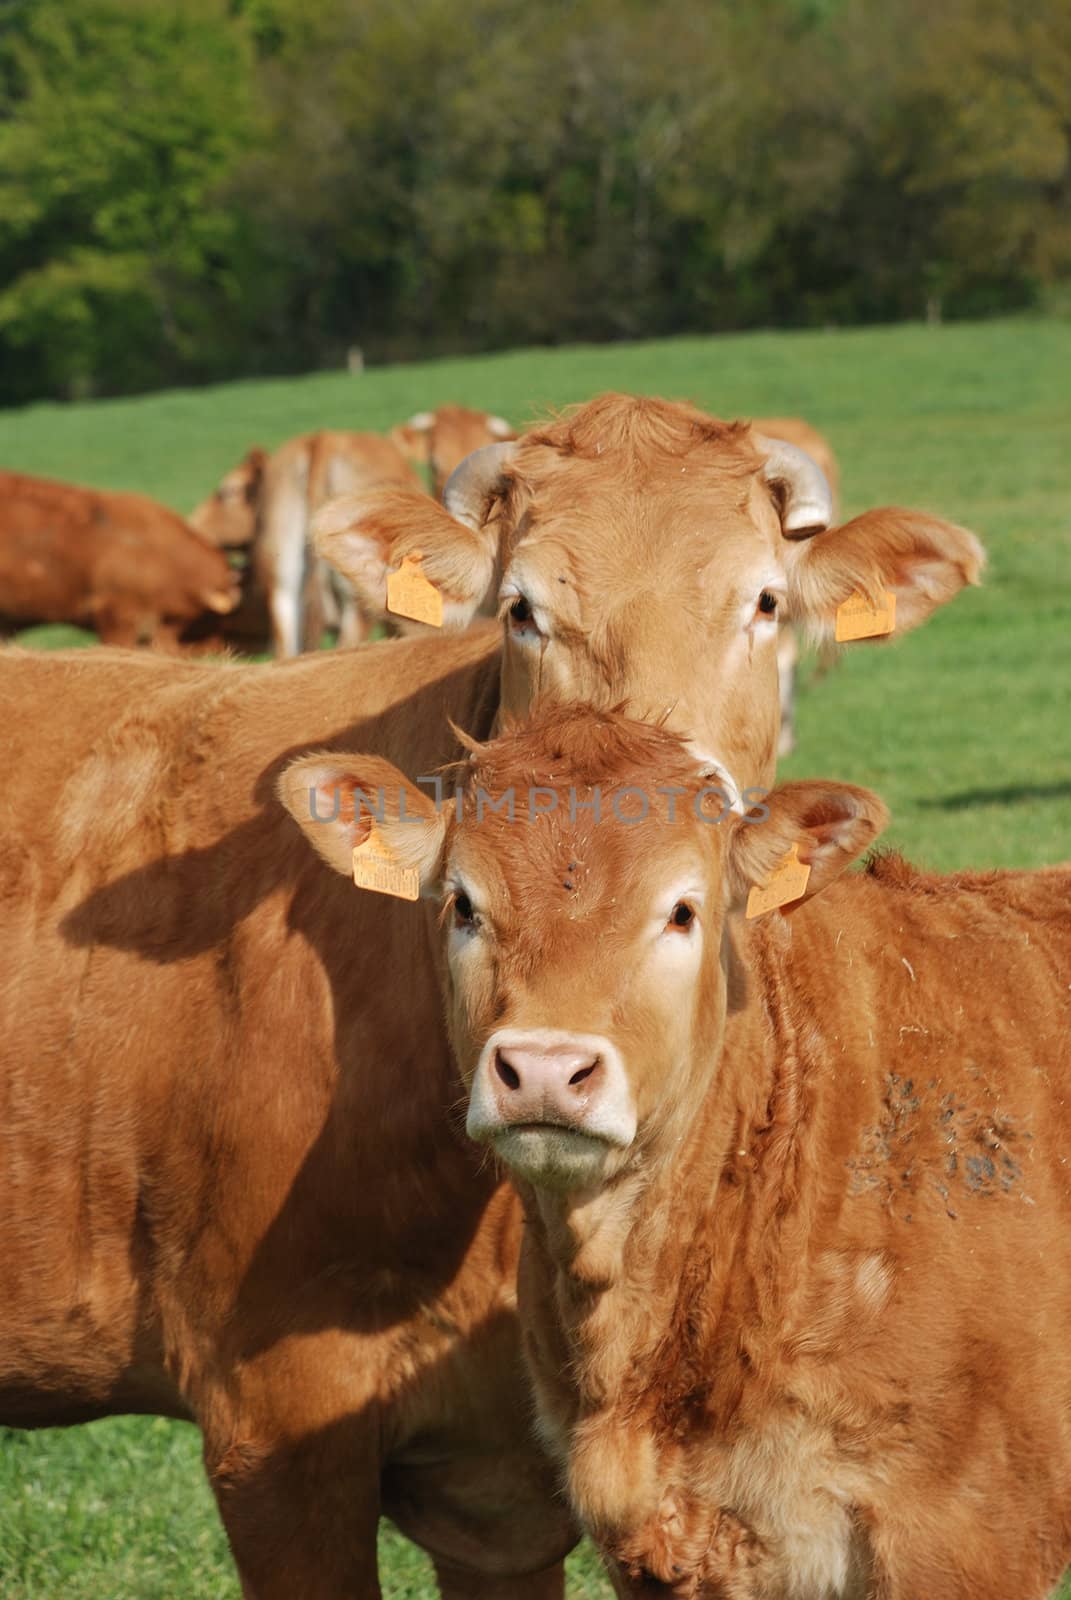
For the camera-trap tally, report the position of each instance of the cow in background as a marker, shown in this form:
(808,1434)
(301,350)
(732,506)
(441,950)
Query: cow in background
(796,1276)
(228,517)
(119,563)
(441,439)
(266,504)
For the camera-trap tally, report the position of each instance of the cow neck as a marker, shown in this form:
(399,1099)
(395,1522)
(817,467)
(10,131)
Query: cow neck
(682,1249)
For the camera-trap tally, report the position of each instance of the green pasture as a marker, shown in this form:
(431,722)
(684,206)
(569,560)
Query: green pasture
(963,727)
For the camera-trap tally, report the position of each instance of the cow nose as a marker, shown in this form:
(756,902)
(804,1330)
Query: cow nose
(554,1085)
(528,1079)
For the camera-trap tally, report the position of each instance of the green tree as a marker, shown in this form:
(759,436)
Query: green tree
(216,186)
(123,118)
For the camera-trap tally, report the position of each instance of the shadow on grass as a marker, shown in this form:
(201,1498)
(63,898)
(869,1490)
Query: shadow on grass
(1006,795)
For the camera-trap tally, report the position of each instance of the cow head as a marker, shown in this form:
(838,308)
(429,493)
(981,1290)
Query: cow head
(643,554)
(203,580)
(588,892)
(228,518)
(441,439)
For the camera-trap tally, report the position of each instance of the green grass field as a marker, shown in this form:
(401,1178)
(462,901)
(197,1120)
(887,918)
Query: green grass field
(963,727)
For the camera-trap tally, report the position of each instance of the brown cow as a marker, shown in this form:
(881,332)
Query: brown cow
(445,437)
(229,1191)
(266,504)
(557,525)
(796,1283)
(118,563)
(441,439)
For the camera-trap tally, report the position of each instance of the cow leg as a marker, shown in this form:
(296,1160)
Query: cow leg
(167,637)
(281,572)
(315,610)
(460,1583)
(284,607)
(117,628)
(301,1523)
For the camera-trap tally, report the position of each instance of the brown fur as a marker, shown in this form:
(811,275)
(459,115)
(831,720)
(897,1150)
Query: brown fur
(645,531)
(895,541)
(441,439)
(807,1338)
(229,1186)
(265,505)
(228,517)
(229,1190)
(118,563)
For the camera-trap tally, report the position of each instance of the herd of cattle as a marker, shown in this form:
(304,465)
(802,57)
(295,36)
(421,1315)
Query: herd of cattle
(454,1076)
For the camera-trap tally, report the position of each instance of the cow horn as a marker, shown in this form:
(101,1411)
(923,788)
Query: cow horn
(807,505)
(471,485)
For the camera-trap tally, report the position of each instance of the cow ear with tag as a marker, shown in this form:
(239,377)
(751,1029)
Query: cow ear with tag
(410,562)
(800,839)
(879,575)
(367,821)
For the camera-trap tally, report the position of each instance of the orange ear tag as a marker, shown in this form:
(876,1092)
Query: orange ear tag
(411,594)
(858,619)
(376,867)
(786,883)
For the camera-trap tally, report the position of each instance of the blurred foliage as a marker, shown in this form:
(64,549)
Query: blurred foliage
(118,249)
(215,187)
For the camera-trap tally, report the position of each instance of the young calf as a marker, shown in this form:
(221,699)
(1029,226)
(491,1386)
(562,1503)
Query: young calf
(796,1285)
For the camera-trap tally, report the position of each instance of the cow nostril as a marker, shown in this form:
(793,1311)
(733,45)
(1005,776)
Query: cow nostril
(584,1072)
(509,1075)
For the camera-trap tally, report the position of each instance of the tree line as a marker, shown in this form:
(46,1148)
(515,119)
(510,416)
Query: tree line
(211,188)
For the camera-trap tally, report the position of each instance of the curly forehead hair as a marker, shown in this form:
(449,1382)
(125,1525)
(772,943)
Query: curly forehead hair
(626,438)
(578,747)
(642,426)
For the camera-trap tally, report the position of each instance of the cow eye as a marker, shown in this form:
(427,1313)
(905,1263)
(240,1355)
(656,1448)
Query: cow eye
(767,604)
(682,915)
(464,914)
(518,612)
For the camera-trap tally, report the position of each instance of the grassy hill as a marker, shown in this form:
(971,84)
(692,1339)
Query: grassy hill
(963,727)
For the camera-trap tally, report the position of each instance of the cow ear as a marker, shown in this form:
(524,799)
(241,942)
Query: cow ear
(336,800)
(366,536)
(413,438)
(920,559)
(822,825)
